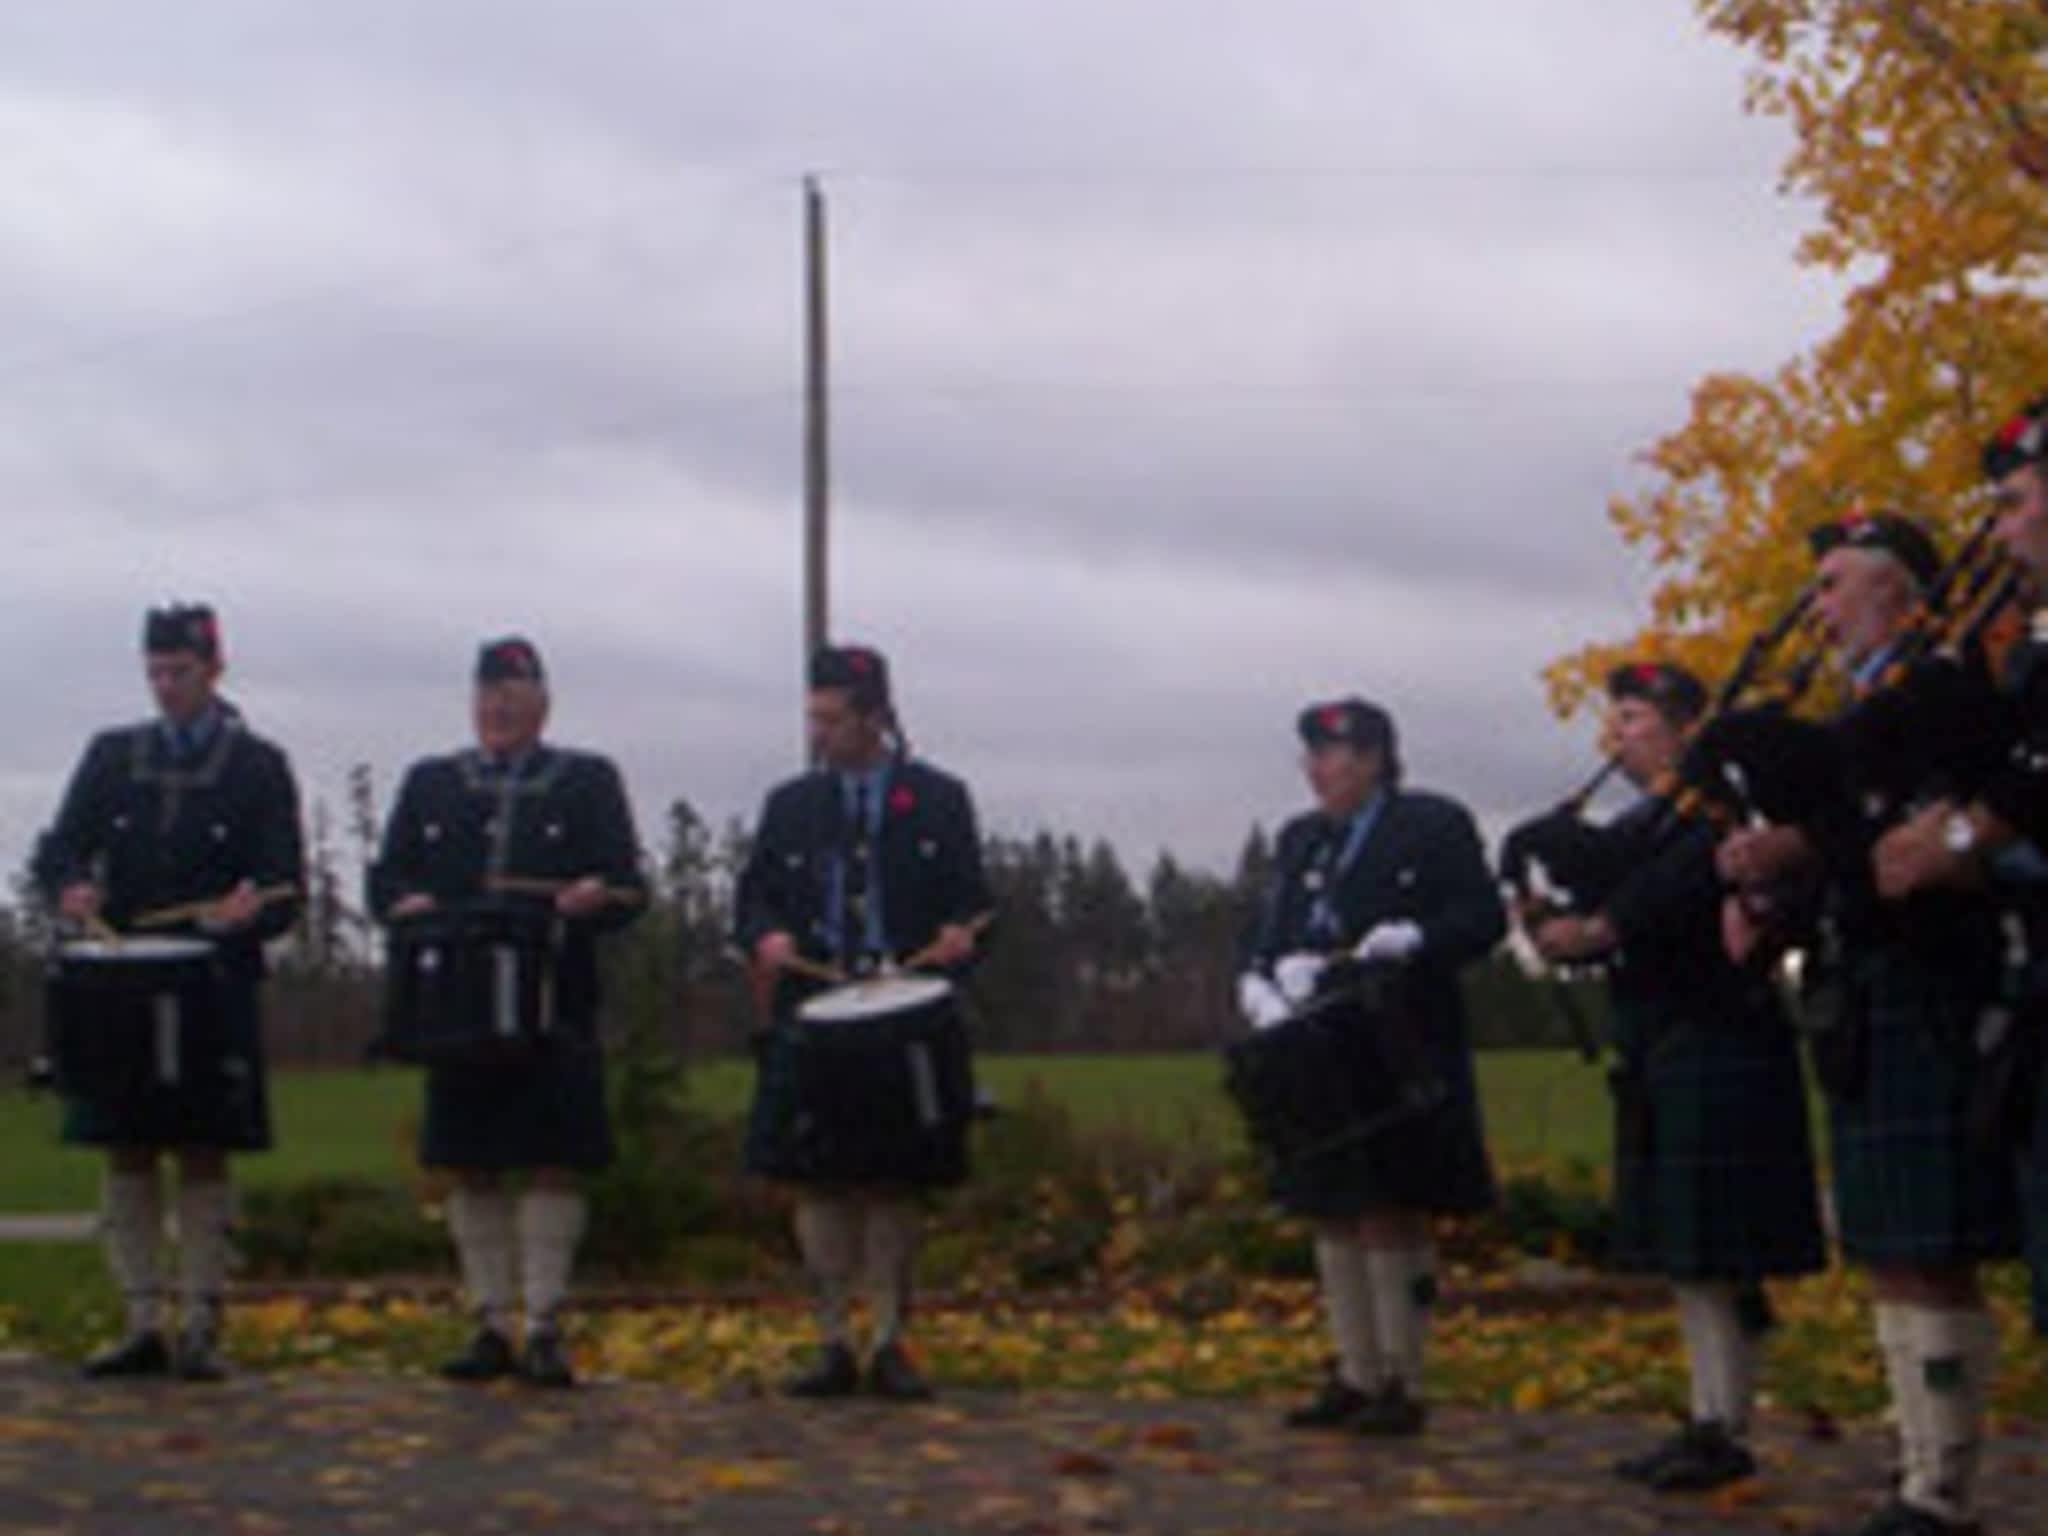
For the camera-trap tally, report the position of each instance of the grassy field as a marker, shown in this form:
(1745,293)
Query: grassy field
(1541,1106)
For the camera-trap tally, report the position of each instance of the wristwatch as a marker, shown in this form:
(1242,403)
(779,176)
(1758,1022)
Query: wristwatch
(1959,833)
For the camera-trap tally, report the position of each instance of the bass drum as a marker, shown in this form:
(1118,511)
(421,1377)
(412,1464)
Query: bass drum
(1327,1092)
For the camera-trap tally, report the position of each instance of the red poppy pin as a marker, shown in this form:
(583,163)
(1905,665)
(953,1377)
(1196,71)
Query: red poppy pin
(1647,673)
(901,801)
(861,662)
(1335,720)
(2010,434)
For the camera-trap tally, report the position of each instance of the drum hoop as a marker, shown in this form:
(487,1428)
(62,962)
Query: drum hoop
(137,951)
(878,997)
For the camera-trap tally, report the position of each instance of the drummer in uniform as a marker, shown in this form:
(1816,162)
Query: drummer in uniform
(1714,1182)
(1921,1199)
(1379,874)
(869,859)
(515,819)
(188,810)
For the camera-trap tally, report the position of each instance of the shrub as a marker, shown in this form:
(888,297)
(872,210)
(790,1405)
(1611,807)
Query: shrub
(340,1227)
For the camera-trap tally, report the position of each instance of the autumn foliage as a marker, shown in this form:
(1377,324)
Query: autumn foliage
(1919,138)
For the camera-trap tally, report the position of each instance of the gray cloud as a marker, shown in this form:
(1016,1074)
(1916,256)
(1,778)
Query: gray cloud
(1192,360)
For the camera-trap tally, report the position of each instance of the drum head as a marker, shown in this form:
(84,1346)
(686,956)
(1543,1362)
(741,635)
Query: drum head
(141,951)
(875,998)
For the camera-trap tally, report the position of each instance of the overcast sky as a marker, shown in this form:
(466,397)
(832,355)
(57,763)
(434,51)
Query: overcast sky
(1192,360)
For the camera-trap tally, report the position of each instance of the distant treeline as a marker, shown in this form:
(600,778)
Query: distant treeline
(1084,957)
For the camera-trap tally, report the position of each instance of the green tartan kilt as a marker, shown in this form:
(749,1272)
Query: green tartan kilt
(223,1102)
(1714,1175)
(1914,1185)
(2034,1175)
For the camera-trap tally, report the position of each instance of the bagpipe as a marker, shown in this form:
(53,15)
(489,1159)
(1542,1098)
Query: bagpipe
(1933,724)
(1558,862)
(1929,724)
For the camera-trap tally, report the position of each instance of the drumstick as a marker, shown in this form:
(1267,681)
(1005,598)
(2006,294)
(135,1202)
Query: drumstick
(829,974)
(101,929)
(817,970)
(529,885)
(190,911)
(925,956)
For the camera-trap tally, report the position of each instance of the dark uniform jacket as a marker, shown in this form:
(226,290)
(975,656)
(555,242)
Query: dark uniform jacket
(2018,794)
(1714,1175)
(928,869)
(1422,863)
(555,815)
(928,859)
(153,832)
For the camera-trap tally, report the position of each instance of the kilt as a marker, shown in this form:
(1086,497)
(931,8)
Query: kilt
(1713,1170)
(1913,1184)
(495,1117)
(231,1112)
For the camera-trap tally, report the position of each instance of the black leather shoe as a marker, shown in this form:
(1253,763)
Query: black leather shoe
(1332,1408)
(140,1354)
(891,1375)
(1704,1457)
(1643,1465)
(1899,1518)
(488,1357)
(1392,1413)
(544,1364)
(199,1355)
(835,1374)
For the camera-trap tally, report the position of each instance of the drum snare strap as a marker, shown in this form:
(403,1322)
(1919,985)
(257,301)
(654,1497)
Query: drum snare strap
(505,989)
(924,1083)
(167,1022)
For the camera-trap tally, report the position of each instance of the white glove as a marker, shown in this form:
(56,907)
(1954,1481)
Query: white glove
(1260,1001)
(1398,940)
(1298,975)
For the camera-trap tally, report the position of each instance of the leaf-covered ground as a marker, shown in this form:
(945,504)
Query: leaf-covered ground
(342,1450)
(1153,1414)
(1494,1345)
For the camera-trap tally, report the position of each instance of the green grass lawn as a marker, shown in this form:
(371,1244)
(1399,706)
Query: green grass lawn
(1541,1106)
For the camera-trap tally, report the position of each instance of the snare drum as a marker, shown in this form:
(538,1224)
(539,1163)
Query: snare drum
(1324,1091)
(470,984)
(884,1084)
(137,1029)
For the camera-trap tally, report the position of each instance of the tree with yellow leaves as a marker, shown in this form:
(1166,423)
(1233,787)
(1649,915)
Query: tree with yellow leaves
(1921,132)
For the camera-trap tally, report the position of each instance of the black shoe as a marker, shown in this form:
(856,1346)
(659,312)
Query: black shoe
(1899,1518)
(544,1364)
(140,1354)
(488,1357)
(1642,1466)
(199,1355)
(891,1375)
(1335,1407)
(836,1374)
(1392,1413)
(1704,1457)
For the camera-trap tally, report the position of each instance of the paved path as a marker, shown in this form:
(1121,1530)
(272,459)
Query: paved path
(50,1227)
(357,1453)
